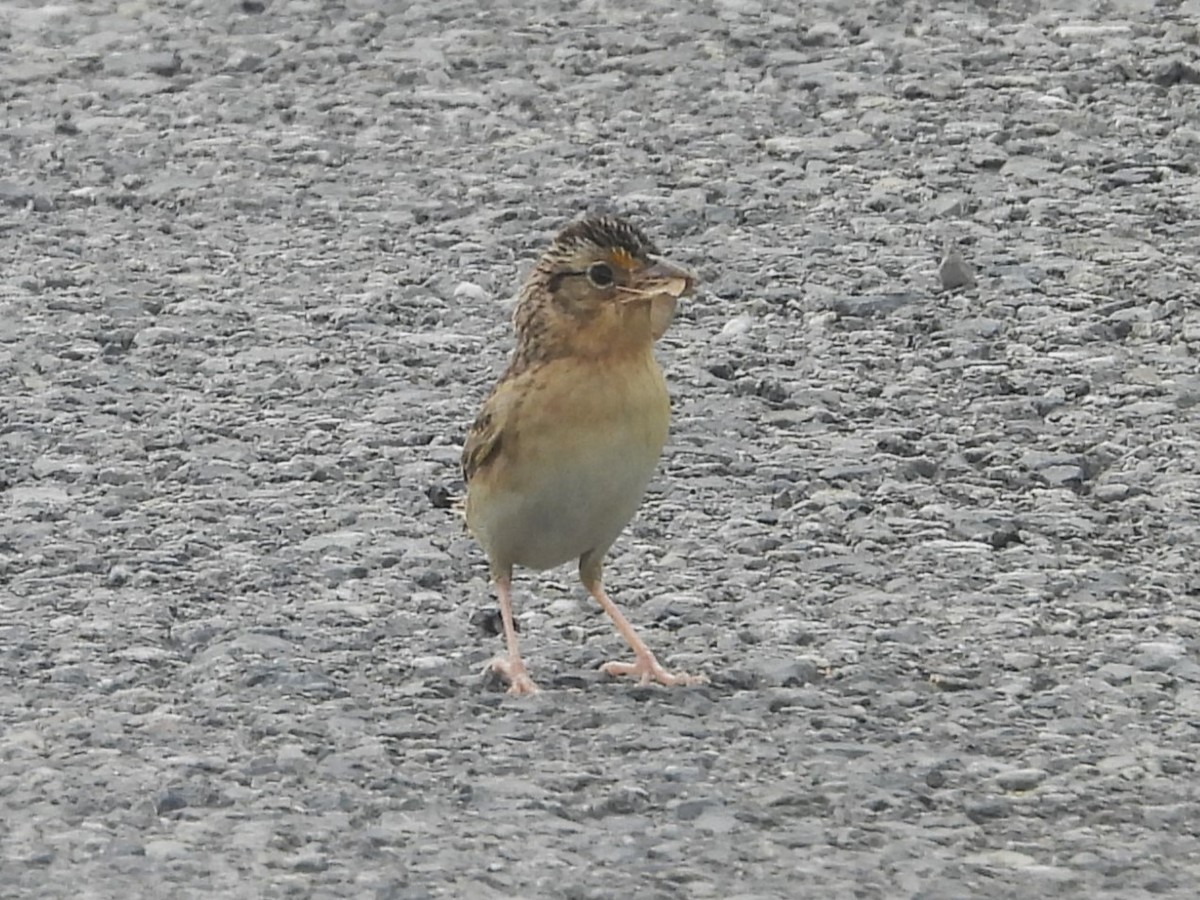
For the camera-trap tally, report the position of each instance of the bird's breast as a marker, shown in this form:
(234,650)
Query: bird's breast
(576,459)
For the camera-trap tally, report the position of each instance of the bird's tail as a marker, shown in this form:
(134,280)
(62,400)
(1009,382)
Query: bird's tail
(442,497)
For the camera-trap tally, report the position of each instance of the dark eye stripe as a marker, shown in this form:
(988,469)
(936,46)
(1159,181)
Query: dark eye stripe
(588,273)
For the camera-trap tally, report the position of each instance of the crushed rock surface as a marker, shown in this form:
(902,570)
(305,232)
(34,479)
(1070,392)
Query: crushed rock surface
(933,538)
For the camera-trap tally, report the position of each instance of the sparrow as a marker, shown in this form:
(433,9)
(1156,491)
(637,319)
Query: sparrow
(558,459)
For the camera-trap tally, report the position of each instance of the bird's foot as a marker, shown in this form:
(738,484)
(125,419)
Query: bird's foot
(513,671)
(647,669)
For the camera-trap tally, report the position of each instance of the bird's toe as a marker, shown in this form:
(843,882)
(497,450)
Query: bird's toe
(648,670)
(513,671)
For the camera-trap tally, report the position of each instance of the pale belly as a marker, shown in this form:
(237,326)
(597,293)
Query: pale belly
(577,476)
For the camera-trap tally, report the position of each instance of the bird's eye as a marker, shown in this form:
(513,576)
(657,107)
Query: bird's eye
(600,274)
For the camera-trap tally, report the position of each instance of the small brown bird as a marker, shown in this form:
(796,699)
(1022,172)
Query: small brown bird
(559,457)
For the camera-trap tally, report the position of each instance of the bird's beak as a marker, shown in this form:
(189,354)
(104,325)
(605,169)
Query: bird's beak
(662,284)
(664,279)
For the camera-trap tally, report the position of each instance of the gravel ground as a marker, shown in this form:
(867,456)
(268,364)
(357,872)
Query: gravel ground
(935,548)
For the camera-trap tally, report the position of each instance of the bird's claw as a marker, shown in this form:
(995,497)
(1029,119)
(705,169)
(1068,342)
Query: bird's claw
(513,671)
(647,669)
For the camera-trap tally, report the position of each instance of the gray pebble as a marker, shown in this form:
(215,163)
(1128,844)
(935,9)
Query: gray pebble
(987,810)
(1020,779)
(1111,492)
(1157,656)
(955,272)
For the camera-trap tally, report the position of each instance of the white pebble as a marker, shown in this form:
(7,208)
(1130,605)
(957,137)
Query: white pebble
(468,290)
(736,326)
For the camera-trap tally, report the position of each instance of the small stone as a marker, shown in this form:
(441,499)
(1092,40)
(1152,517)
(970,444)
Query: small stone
(947,206)
(1053,399)
(1150,680)
(624,800)
(875,305)
(425,665)
(169,801)
(842,497)
(164,849)
(1157,656)
(440,496)
(909,633)
(823,34)
(736,326)
(467,290)
(117,576)
(566,608)
(726,370)
(1004,535)
(855,139)
(1134,175)
(116,476)
(1063,476)
(163,64)
(784,672)
(1124,764)
(988,809)
(981,327)
(1111,492)
(902,699)
(690,810)
(244,61)
(1116,673)
(14,194)
(1021,779)
(955,272)
(1019,660)
(1000,859)
(1186,670)
(897,445)
(157,334)
(1087,32)
(918,467)
(309,862)
(1176,71)
(487,622)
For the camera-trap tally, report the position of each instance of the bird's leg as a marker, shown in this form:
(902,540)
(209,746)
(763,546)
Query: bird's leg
(511,667)
(644,666)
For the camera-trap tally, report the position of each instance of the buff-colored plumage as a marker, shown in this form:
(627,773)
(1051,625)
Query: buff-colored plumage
(560,455)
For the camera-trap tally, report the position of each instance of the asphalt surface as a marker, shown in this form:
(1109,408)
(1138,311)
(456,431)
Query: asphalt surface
(935,547)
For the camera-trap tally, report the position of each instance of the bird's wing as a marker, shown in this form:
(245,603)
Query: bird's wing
(486,434)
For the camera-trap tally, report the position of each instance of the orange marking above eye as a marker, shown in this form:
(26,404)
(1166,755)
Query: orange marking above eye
(623,258)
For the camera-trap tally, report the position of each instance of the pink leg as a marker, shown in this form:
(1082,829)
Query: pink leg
(511,667)
(644,666)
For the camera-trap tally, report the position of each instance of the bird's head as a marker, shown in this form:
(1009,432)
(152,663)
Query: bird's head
(600,289)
